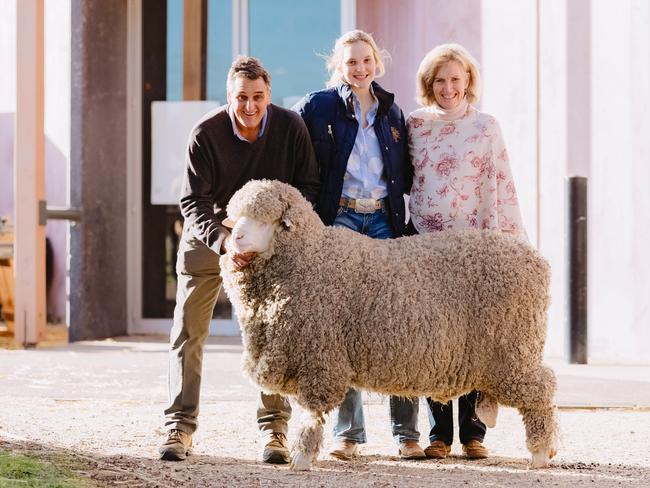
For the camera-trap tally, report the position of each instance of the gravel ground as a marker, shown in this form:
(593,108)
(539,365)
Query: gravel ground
(102,407)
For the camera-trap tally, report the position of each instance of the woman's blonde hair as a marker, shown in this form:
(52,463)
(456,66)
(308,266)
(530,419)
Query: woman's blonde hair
(434,60)
(335,59)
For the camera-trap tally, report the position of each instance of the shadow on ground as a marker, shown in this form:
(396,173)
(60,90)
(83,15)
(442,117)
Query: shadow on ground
(384,471)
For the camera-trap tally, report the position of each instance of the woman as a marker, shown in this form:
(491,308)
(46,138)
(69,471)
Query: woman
(359,137)
(461,180)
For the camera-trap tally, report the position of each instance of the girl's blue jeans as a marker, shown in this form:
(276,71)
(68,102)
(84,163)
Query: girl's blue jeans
(349,423)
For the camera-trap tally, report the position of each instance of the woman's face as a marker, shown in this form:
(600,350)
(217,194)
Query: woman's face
(358,65)
(449,85)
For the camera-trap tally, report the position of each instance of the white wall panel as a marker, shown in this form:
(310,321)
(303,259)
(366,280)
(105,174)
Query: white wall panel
(553,164)
(619,209)
(508,68)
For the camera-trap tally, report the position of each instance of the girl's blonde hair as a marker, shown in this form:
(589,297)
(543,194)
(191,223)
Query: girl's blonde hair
(434,60)
(335,59)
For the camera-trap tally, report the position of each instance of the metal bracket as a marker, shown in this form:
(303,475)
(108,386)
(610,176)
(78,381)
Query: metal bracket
(56,213)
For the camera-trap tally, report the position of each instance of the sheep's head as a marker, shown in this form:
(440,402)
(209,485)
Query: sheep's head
(250,235)
(261,209)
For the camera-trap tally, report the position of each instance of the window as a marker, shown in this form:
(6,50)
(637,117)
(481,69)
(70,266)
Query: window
(289,36)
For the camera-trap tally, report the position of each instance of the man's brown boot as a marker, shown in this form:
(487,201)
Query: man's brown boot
(276,450)
(176,447)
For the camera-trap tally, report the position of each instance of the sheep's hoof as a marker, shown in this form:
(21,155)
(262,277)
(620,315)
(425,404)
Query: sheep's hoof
(540,459)
(301,461)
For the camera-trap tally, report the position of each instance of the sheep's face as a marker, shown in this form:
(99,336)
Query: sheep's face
(266,213)
(250,235)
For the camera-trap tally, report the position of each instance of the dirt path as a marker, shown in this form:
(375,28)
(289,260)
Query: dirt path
(114,444)
(101,408)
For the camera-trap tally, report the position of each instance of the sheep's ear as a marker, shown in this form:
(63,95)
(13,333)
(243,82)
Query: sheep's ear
(228,223)
(286,223)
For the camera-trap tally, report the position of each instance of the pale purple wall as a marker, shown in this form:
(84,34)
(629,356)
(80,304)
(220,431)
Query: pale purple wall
(578,72)
(57,129)
(56,191)
(6,164)
(408,29)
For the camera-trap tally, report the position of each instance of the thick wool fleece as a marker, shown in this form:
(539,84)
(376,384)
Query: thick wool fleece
(434,315)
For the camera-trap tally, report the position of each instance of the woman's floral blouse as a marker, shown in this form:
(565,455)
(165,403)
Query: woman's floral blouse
(462,177)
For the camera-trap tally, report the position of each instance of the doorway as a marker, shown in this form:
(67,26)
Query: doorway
(289,36)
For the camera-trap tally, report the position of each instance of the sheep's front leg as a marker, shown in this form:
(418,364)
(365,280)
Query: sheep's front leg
(309,442)
(320,389)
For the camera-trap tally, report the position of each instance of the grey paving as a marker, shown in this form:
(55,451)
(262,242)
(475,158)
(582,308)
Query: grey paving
(136,366)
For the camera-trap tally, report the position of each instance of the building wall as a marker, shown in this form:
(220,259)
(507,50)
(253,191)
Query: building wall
(408,29)
(57,146)
(57,130)
(7,104)
(569,82)
(619,200)
(552,113)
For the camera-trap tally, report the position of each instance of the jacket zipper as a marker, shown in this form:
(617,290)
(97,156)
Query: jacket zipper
(331,134)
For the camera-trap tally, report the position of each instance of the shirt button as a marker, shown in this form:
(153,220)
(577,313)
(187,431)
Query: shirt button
(392,181)
(386,148)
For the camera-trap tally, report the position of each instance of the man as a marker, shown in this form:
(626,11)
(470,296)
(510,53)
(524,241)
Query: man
(249,138)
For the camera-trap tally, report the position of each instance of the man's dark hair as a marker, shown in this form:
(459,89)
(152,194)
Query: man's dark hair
(249,67)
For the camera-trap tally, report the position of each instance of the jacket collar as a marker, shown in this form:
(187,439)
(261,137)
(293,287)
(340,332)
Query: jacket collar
(384,98)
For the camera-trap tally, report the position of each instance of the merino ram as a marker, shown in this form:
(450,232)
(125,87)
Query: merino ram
(323,309)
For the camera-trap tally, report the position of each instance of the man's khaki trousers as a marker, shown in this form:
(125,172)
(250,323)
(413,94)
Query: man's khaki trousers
(199,283)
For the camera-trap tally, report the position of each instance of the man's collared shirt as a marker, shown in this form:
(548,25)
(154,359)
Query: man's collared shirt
(231,114)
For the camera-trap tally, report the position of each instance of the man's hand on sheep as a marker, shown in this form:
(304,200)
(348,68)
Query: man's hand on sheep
(248,238)
(241,259)
(244,259)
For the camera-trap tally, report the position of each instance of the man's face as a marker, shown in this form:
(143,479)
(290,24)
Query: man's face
(249,99)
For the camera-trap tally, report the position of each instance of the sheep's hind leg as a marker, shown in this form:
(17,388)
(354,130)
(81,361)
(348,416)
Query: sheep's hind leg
(541,434)
(533,394)
(308,443)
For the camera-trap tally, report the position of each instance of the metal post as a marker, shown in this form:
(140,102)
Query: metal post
(577,253)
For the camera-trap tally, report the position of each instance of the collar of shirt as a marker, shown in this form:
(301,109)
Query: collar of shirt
(231,114)
(372,112)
